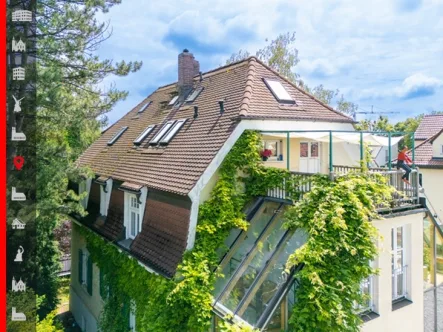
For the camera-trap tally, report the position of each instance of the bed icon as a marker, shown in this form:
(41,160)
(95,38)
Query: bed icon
(17,316)
(15,136)
(15,196)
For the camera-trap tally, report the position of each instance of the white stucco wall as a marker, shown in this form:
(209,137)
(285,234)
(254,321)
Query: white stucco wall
(437,147)
(410,317)
(433,185)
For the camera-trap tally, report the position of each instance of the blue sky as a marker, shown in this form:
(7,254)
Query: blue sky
(382,53)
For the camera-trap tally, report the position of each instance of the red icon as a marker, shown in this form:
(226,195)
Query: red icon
(18,162)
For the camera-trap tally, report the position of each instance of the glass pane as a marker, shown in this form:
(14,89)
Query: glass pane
(304,150)
(232,260)
(257,260)
(272,145)
(314,149)
(399,237)
(272,279)
(132,224)
(400,284)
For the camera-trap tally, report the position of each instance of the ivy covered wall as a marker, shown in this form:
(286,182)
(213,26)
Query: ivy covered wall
(336,215)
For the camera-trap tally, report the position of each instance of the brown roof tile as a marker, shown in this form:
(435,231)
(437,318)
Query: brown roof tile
(178,166)
(429,126)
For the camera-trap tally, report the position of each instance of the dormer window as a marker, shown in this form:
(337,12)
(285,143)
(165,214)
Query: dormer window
(279,91)
(143,108)
(134,216)
(143,135)
(194,94)
(117,135)
(171,133)
(162,132)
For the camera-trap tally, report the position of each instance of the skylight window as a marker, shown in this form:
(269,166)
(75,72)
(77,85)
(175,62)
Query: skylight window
(173,100)
(143,135)
(279,91)
(142,109)
(162,132)
(117,135)
(194,94)
(167,138)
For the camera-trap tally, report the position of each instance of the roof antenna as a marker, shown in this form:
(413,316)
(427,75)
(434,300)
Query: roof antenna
(195,112)
(222,107)
(201,76)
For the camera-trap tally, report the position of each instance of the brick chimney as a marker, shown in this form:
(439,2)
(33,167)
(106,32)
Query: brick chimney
(188,67)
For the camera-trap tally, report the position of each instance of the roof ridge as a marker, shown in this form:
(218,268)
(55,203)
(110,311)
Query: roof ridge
(300,89)
(247,94)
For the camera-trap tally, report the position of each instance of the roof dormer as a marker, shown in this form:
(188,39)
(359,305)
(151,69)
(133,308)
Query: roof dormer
(437,145)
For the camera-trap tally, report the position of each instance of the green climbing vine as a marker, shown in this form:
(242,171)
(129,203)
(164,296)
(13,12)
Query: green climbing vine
(336,215)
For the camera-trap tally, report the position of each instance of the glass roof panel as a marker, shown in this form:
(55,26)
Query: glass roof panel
(244,244)
(173,100)
(171,133)
(194,94)
(143,135)
(255,280)
(143,108)
(162,132)
(279,91)
(117,135)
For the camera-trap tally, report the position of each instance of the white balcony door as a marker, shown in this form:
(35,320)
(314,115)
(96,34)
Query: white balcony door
(309,157)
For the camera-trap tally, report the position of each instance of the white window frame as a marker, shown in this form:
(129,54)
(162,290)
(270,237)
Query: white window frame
(82,187)
(85,257)
(134,213)
(129,210)
(396,252)
(105,197)
(370,282)
(441,149)
(278,145)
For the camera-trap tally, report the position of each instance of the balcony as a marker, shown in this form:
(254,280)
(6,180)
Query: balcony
(337,153)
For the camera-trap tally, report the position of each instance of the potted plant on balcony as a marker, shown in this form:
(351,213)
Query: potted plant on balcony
(265,154)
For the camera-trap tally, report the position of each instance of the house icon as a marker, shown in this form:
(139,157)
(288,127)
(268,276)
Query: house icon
(18,74)
(22,16)
(18,224)
(19,46)
(19,286)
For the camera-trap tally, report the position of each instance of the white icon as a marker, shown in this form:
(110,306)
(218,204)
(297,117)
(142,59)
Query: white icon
(17,316)
(19,256)
(19,46)
(15,196)
(22,16)
(17,107)
(19,286)
(18,74)
(18,224)
(17,136)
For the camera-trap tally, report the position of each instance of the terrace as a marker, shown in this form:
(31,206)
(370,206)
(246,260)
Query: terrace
(336,153)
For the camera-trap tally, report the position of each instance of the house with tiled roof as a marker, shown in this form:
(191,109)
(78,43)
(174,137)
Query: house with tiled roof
(429,126)
(156,165)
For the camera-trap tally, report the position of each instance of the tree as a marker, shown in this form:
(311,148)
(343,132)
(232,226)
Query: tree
(71,108)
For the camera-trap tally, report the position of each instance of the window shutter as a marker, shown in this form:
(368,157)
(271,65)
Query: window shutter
(89,276)
(80,266)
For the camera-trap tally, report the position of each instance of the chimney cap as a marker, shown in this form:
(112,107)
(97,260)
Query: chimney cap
(185,50)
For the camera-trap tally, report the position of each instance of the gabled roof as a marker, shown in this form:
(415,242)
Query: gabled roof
(429,126)
(178,166)
(424,154)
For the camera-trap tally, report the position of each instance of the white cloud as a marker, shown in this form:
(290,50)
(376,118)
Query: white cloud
(418,85)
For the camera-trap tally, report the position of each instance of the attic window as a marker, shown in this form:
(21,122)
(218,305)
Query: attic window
(145,107)
(117,135)
(173,100)
(194,94)
(171,133)
(143,135)
(279,91)
(162,132)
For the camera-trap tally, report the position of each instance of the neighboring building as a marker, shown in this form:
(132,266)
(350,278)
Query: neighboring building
(18,74)
(19,46)
(21,16)
(429,126)
(429,159)
(156,165)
